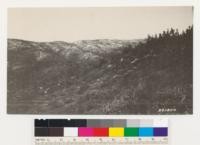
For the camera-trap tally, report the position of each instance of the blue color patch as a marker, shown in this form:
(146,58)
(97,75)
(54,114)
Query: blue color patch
(146,131)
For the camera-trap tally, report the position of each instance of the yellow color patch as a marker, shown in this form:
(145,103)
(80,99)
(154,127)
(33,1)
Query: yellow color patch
(116,132)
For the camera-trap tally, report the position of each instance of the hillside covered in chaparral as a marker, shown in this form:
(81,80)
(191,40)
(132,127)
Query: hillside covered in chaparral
(151,76)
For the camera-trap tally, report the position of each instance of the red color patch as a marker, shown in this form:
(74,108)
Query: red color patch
(101,132)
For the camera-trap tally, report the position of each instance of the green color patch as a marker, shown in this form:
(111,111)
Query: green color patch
(131,131)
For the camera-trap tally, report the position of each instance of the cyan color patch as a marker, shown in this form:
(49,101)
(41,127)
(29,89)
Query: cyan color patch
(146,131)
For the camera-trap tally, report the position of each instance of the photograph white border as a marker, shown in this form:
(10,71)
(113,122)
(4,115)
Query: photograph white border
(18,129)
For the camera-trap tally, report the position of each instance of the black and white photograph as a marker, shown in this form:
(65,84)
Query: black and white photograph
(100,60)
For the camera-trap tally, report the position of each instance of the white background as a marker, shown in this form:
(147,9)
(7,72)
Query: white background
(18,129)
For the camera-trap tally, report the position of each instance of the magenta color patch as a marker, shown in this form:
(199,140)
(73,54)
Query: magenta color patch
(85,131)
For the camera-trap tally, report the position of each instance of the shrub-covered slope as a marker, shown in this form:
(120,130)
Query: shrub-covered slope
(153,76)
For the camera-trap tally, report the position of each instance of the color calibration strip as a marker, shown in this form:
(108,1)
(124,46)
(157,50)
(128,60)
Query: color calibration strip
(101,128)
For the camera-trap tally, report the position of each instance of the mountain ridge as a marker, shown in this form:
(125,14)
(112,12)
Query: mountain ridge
(143,78)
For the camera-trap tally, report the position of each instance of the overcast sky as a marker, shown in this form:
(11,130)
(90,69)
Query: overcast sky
(72,24)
